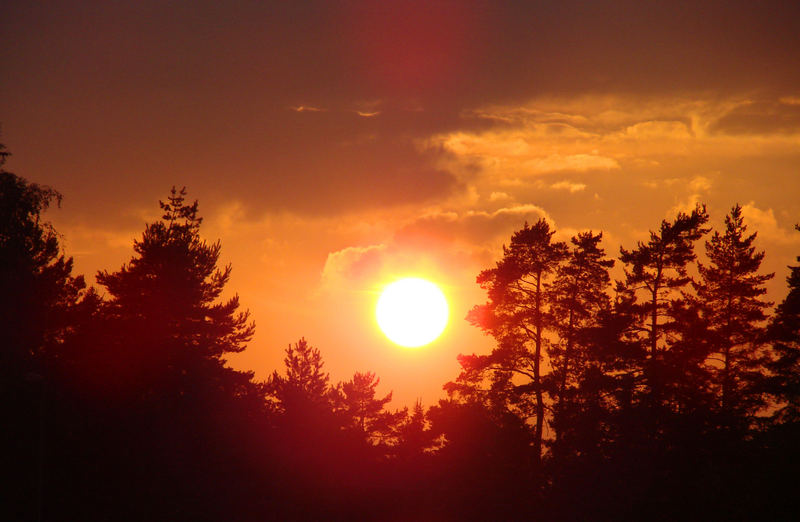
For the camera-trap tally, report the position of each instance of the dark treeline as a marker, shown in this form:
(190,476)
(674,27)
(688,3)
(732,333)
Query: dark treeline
(673,394)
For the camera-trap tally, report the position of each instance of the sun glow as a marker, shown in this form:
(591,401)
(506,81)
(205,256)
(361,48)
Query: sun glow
(412,312)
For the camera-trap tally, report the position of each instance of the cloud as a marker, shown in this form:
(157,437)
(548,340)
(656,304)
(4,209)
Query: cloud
(764,222)
(352,263)
(307,108)
(659,129)
(700,184)
(662,183)
(458,237)
(569,186)
(469,229)
(769,116)
(601,134)
(335,169)
(519,153)
(698,188)
(499,196)
(572,162)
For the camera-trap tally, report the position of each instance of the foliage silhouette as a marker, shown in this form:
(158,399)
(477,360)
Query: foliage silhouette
(40,302)
(39,291)
(166,297)
(414,435)
(578,295)
(658,271)
(784,332)
(365,414)
(730,299)
(517,315)
(156,364)
(305,387)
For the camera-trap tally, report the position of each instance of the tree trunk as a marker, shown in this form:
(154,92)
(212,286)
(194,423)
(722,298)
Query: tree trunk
(654,323)
(565,372)
(726,372)
(537,434)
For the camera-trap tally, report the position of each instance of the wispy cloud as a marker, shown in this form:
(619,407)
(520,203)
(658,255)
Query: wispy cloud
(307,108)
(569,186)
(499,196)
(698,188)
(353,262)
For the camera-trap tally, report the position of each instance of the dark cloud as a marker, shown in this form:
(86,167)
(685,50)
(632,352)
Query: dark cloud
(761,117)
(131,97)
(478,228)
(447,53)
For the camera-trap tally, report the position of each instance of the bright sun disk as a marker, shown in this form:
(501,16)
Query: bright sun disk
(412,312)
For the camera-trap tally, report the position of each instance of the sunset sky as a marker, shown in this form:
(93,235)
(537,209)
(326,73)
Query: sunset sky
(334,146)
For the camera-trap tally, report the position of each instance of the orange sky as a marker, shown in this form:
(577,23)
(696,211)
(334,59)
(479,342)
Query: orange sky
(334,146)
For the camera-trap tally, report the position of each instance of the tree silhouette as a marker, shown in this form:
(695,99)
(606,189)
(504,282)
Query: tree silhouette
(322,442)
(159,358)
(308,431)
(414,435)
(784,332)
(658,269)
(363,413)
(165,300)
(38,289)
(730,298)
(40,300)
(517,315)
(578,294)
(487,461)
(305,387)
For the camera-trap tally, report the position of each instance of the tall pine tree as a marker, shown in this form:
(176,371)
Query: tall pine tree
(658,271)
(578,295)
(730,296)
(165,314)
(784,333)
(305,387)
(517,315)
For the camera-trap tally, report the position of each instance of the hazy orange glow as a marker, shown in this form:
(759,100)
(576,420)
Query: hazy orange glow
(412,312)
(333,146)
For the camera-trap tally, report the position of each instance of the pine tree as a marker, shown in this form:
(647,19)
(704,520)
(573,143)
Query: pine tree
(730,299)
(784,333)
(607,411)
(517,315)
(364,413)
(310,441)
(169,325)
(658,270)
(305,386)
(577,294)
(414,436)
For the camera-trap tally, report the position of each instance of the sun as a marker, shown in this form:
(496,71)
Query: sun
(412,312)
